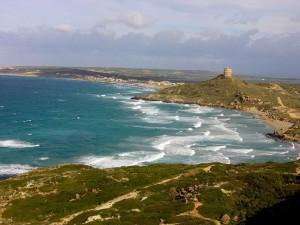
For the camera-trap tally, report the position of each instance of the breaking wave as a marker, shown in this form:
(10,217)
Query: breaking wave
(14,169)
(122,159)
(16,144)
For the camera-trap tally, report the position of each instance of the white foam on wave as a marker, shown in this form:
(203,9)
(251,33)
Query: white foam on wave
(162,145)
(235,115)
(116,96)
(156,127)
(206,133)
(137,107)
(177,118)
(292,146)
(16,144)
(143,107)
(134,102)
(149,110)
(198,124)
(196,109)
(222,159)
(234,134)
(43,158)
(212,158)
(14,169)
(213,148)
(240,150)
(122,159)
(176,145)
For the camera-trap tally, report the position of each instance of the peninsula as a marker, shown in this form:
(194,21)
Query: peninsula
(276,103)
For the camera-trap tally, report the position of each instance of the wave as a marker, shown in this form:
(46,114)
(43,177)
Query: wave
(213,148)
(162,145)
(176,145)
(242,151)
(156,128)
(16,144)
(43,158)
(137,107)
(122,159)
(14,169)
(235,115)
(214,158)
(198,124)
(199,109)
(234,134)
(177,118)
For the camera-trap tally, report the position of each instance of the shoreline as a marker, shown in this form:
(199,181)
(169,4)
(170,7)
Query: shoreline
(279,127)
(108,80)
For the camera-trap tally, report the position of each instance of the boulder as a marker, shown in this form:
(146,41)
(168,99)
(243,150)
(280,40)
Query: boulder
(225,219)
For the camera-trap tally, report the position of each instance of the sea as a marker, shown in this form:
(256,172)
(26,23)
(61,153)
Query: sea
(47,121)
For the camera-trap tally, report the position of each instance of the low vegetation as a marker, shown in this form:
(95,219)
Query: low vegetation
(154,194)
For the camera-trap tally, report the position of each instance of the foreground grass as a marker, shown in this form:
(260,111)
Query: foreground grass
(72,194)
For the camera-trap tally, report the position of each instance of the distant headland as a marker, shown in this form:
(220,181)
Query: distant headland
(277,104)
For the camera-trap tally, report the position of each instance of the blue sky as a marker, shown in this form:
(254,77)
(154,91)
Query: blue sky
(253,36)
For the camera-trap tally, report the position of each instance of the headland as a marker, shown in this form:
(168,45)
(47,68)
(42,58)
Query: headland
(276,103)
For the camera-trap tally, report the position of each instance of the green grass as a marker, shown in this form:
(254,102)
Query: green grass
(52,195)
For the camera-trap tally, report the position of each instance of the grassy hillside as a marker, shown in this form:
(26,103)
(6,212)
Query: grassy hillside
(156,194)
(279,102)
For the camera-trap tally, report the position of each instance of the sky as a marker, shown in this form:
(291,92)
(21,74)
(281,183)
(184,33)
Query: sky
(255,37)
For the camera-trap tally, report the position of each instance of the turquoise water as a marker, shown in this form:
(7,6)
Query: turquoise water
(49,121)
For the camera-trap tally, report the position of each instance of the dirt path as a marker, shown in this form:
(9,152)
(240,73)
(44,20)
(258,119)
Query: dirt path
(292,112)
(102,206)
(280,102)
(195,213)
(208,168)
(134,194)
(110,203)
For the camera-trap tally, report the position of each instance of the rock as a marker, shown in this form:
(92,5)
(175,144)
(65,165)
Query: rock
(189,196)
(225,219)
(77,196)
(235,218)
(191,189)
(183,191)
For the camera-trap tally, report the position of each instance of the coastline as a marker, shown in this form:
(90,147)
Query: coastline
(280,127)
(110,80)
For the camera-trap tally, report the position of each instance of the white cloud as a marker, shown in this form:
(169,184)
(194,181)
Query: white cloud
(134,19)
(64,28)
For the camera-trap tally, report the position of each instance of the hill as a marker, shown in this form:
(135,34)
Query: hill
(155,194)
(279,104)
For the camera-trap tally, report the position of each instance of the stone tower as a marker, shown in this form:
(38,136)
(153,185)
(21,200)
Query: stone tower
(228,73)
